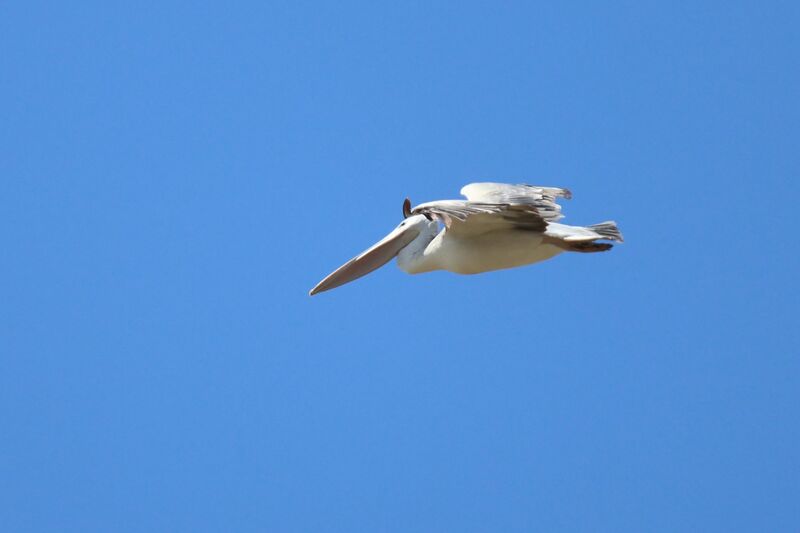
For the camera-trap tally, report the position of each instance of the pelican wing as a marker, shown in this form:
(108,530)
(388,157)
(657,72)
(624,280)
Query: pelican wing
(543,199)
(494,206)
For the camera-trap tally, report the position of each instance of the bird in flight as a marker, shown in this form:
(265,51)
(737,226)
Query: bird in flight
(498,226)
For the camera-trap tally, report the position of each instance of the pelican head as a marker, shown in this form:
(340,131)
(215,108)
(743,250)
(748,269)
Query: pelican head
(379,253)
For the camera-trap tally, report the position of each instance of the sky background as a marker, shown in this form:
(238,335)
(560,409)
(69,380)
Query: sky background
(175,176)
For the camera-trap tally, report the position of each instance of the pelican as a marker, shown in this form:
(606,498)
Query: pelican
(498,226)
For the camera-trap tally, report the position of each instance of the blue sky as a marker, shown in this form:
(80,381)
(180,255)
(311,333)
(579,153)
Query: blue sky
(177,176)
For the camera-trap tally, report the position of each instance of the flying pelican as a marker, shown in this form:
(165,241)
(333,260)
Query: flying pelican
(498,226)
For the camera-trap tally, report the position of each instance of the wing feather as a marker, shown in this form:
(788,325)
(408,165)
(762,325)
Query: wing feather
(492,206)
(543,199)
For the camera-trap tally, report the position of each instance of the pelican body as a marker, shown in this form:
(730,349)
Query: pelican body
(498,226)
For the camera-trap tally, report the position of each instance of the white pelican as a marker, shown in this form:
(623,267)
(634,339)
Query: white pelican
(498,226)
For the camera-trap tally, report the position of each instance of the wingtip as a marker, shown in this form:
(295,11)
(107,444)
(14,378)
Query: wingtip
(608,230)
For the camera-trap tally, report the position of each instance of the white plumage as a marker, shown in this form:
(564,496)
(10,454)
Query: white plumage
(498,226)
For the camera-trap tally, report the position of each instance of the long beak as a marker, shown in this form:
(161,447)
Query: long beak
(375,257)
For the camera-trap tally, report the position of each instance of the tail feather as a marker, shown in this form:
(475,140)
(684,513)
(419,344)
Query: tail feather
(607,230)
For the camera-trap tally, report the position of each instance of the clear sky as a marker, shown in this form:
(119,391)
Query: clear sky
(175,176)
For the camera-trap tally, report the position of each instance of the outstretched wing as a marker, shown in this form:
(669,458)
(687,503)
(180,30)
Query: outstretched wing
(493,206)
(543,199)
